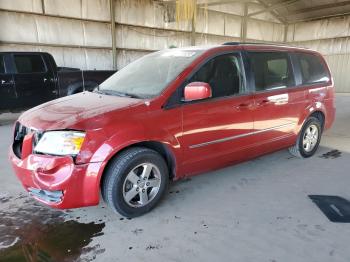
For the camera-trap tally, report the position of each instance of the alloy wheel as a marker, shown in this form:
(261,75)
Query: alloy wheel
(310,138)
(141,185)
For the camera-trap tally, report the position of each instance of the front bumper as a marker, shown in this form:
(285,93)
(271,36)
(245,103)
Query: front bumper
(58,181)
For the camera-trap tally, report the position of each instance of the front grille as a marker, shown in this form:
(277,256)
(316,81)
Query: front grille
(20,132)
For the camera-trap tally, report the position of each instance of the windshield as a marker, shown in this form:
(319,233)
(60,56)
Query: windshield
(148,76)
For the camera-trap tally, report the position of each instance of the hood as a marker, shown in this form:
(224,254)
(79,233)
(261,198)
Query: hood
(75,111)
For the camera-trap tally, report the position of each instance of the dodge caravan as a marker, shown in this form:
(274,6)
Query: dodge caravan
(169,115)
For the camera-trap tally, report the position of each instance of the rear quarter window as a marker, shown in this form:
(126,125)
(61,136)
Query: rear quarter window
(29,64)
(312,68)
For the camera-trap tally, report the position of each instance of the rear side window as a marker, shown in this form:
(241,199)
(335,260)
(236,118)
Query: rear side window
(312,69)
(2,65)
(29,64)
(272,70)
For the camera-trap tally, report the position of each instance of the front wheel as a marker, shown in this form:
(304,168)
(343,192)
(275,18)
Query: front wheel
(135,181)
(308,139)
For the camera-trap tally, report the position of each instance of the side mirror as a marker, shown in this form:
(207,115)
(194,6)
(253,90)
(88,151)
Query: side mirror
(197,91)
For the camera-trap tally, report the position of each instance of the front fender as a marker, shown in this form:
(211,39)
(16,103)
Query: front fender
(127,138)
(132,135)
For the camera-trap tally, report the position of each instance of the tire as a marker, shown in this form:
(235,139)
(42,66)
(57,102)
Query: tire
(135,181)
(301,149)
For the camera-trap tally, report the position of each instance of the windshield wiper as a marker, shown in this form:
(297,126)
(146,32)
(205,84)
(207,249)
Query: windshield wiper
(115,93)
(132,95)
(111,92)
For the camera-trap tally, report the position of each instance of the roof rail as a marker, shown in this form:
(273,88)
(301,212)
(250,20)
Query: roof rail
(249,43)
(232,43)
(266,44)
(254,43)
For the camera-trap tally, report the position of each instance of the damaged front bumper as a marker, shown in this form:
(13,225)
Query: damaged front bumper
(57,181)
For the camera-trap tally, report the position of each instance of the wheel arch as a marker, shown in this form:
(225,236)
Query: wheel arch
(80,86)
(75,88)
(317,110)
(320,116)
(160,147)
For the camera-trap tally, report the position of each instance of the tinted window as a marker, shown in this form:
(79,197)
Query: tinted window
(271,70)
(224,75)
(2,65)
(29,64)
(312,69)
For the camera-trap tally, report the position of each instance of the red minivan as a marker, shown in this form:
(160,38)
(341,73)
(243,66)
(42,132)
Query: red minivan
(169,115)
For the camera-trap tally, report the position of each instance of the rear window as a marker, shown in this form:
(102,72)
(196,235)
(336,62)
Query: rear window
(272,70)
(29,64)
(313,69)
(2,65)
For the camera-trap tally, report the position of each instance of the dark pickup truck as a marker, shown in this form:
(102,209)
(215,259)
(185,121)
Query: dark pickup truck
(28,79)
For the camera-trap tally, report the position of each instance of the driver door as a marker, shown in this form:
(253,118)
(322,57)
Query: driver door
(215,130)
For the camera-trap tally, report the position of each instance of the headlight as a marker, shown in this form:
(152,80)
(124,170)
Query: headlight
(60,143)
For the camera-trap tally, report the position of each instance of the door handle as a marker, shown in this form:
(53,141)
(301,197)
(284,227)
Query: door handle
(242,106)
(11,82)
(6,82)
(264,102)
(279,99)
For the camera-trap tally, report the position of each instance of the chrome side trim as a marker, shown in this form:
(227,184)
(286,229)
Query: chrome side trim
(238,136)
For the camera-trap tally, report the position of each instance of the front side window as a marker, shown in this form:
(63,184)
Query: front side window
(148,76)
(29,64)
(271,70)
(224,74)
(312,69)
(2,65)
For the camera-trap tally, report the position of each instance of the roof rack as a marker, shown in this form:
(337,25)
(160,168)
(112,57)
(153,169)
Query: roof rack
(267,44)
(253,43)
(232,43)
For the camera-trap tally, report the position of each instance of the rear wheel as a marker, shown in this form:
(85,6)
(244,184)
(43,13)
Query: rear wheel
(308,140)
(135,181)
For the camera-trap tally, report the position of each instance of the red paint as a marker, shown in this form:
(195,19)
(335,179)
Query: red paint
(113,123)
(197,91)
(27,147)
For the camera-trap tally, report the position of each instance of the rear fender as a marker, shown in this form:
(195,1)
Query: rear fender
(313,107)
(80,87)
(75,88)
